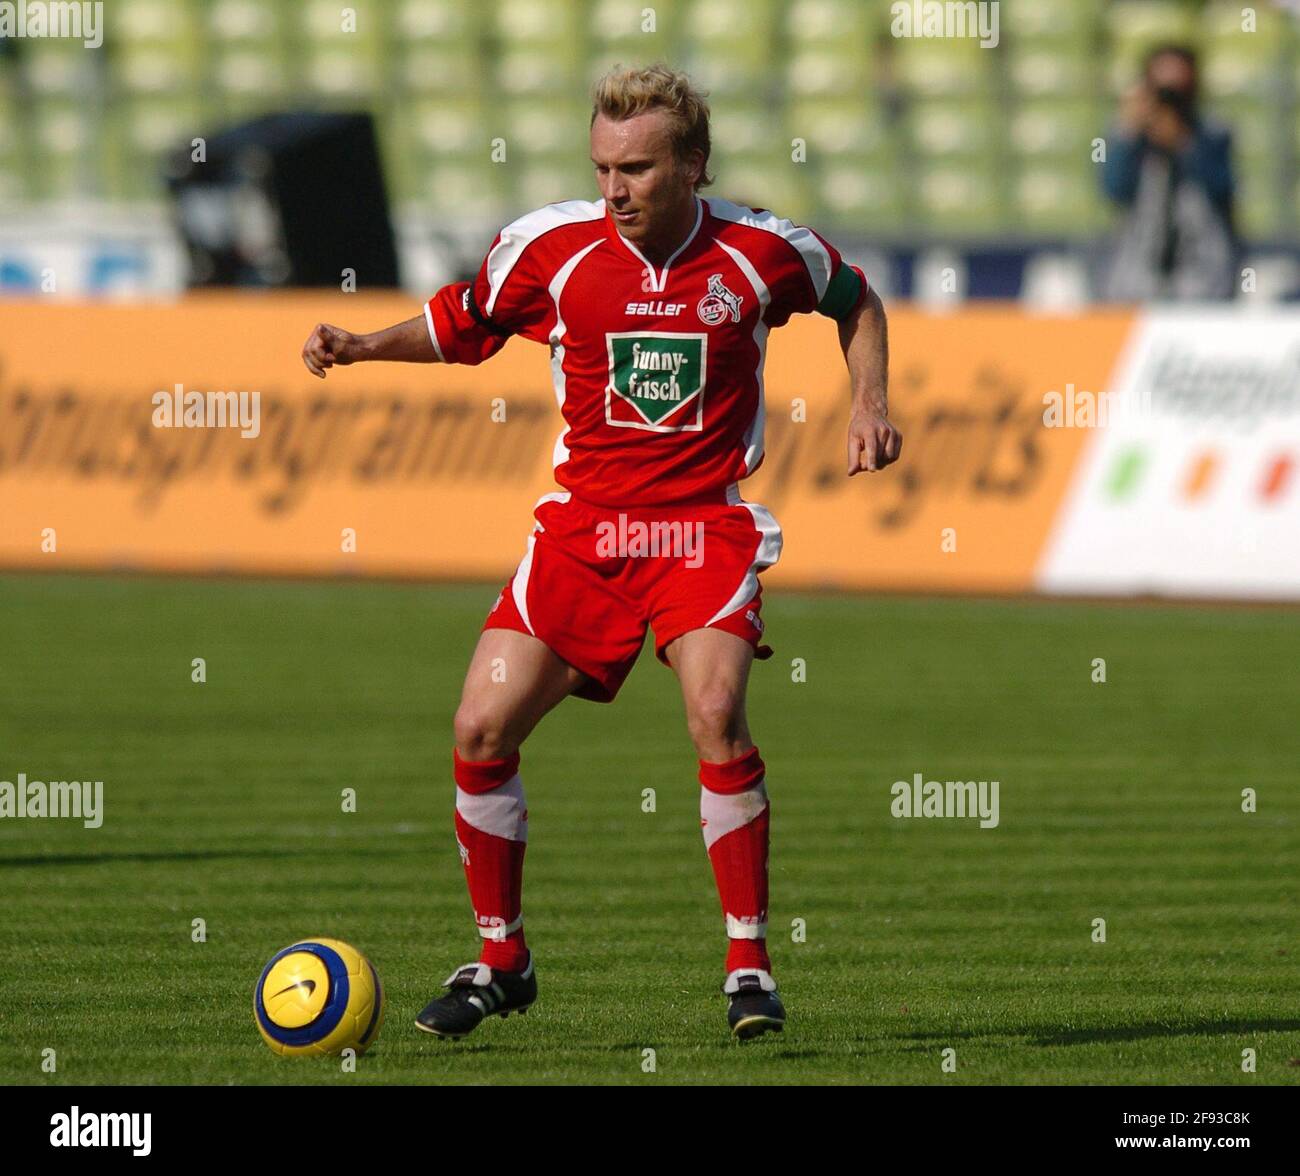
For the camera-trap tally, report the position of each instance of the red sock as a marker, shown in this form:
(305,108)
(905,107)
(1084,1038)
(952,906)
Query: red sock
(734,818)
(492,832)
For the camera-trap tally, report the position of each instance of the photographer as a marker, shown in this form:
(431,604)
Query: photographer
(1172,171)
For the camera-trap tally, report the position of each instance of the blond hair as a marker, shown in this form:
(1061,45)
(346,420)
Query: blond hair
(625,93)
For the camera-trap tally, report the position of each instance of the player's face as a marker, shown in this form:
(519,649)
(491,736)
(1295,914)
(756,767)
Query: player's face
(645,186)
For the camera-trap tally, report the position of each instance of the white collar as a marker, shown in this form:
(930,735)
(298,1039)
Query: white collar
(659,279)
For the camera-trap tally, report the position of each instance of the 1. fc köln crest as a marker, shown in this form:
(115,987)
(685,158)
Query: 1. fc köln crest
(718,303)
(656,380)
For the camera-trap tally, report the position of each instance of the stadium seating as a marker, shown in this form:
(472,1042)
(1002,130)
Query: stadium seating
(818,109)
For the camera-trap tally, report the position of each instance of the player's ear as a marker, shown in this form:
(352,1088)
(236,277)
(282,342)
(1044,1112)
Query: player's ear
(694,165)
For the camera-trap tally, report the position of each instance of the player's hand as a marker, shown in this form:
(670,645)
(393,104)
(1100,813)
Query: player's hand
(873,442)
(328,345)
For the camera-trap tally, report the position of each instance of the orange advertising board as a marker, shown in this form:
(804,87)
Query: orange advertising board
(970,502)
(432,471)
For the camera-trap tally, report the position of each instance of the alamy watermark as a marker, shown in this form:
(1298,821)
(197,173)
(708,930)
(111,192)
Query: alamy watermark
(946,798)
(82,22)
(636,538)
(78,800)
(931,18)
(179,409)
(1077,408)
(125,1129)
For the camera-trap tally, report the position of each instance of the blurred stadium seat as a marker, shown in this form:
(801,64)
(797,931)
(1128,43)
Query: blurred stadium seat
(899,135)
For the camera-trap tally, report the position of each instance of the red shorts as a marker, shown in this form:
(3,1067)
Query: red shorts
(593,578)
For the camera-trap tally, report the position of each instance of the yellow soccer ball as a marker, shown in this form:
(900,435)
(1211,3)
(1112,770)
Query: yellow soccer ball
(318,997)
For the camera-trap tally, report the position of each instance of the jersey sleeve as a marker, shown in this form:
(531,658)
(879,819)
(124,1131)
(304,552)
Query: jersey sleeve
(470,321)
(810,275)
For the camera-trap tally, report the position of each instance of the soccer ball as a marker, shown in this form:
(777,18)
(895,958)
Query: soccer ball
(318,997)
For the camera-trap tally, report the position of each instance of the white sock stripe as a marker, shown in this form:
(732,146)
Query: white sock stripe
(503,811)
(500,929)
(745,928)
(722,812)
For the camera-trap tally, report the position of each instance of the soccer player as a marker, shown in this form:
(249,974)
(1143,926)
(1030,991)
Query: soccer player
(656,304)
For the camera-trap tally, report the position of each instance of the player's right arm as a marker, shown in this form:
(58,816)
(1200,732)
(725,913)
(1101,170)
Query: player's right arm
(408,342)
(464,322)
(453,328)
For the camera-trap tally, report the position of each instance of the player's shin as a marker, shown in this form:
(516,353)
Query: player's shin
(492,832)
(734,813)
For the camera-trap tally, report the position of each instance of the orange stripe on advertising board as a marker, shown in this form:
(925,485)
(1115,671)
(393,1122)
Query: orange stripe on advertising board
(409,459)
(1201,475)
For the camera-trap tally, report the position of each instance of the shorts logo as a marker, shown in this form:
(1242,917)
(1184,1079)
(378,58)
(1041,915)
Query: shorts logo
(656,380)
(718,303)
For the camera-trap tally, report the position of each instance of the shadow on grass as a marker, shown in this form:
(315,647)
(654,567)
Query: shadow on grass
(193,855)
(1111,1033)
(1192,1029)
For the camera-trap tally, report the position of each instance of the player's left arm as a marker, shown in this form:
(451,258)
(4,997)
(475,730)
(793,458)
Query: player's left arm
(811,274)
(873,441)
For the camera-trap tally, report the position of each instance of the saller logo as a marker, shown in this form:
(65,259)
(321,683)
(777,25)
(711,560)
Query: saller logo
(718,303)
(656,380)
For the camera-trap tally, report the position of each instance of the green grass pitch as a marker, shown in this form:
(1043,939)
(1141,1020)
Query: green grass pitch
(1119,801)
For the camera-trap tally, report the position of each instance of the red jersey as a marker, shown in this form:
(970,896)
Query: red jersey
(658,370)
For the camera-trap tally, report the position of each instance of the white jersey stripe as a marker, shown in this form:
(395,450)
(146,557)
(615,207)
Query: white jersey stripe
(754,434)
(560,454)
(518,235)
(815,255)
(433,333)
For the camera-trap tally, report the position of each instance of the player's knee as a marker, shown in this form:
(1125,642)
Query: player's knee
(715,715)
(481,733)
